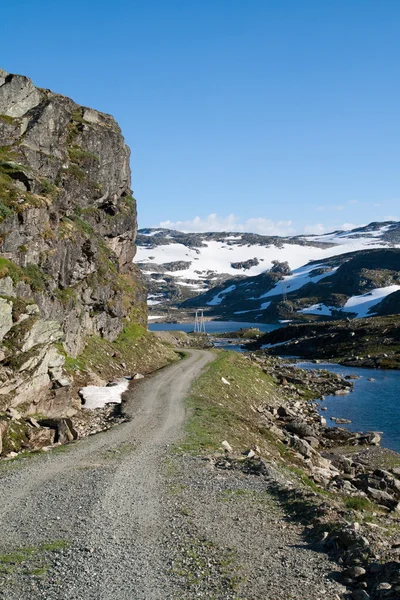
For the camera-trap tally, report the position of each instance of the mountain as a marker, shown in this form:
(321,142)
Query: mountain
(67,241)
(251,277)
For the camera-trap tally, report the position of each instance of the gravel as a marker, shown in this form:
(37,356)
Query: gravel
(118,516)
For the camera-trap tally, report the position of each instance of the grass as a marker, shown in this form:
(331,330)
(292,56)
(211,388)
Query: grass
(139,349)
(79,156)
(30,560)
(357,503)
(227,412)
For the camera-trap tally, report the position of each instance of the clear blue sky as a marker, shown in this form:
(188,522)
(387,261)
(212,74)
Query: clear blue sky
(268,110)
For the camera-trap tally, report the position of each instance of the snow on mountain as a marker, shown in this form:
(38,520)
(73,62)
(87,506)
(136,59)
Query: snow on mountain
(205,257)
(360,305)
(179,266)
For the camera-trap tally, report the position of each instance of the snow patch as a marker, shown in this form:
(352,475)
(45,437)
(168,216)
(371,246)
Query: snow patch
(361,305)
(95,396)
(220,296)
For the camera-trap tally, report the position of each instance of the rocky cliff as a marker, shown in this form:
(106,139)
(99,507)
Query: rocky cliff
(67,233)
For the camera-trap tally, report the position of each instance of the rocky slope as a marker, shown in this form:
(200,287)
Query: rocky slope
(230,274)
(67,241)
(373,342)
(354,284)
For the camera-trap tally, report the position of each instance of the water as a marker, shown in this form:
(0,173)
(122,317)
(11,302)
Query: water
(373,406)
(213,326)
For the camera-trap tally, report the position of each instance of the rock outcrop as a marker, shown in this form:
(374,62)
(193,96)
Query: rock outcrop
(67,241)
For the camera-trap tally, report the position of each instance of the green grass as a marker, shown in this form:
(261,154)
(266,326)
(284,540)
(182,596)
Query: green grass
(219,411)
(30,560)
(357,503)
(76,172)
(79,156)
(8,268)
(36,277)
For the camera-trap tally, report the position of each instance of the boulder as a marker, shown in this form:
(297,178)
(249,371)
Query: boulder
(41,437)
(18,95)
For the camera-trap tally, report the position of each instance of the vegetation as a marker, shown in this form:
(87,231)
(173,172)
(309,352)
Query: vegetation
(76,172)
(227,412)
(31,560)
(79,156)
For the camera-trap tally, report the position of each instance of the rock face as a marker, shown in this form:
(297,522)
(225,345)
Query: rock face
(67,241)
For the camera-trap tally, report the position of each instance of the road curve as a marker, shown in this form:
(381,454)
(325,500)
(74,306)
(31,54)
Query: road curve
(104,496)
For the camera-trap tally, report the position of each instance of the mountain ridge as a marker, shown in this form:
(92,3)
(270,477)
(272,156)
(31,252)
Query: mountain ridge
(209,270)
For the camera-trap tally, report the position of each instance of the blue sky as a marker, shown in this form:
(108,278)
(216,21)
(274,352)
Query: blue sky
(276,116)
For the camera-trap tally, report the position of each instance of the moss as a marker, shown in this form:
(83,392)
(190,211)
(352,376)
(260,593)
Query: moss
(66,295)
(30,560)
(82,224)
(5,212)
(357,503)
(80,157)
(8,268)
(48,189)
(76,172)
(15,438)
(36,277)
(7,119)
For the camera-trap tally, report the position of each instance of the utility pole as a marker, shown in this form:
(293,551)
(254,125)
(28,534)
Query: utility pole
(199,322)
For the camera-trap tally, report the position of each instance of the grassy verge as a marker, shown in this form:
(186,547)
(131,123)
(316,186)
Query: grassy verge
(135,350)
(228,411)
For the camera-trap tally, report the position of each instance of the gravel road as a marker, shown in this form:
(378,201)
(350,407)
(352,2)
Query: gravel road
(117,516)
(104,497)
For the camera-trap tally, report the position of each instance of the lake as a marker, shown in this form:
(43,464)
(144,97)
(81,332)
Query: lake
(373,406)
(213,326)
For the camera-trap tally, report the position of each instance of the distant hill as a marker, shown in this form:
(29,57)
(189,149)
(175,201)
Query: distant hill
(250,277)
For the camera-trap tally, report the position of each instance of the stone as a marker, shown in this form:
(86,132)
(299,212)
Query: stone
(7,287)
(300,428)
(301,446)
(3,75)
(42,332)
(227,447)
(384,585)
(6,321)
(355,572)
(138,376)
(64,433)
(41,437)
(64,297)
(382,498)
(18,95)
(14,414)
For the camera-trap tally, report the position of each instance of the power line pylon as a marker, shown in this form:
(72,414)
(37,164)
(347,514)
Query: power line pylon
(199,322)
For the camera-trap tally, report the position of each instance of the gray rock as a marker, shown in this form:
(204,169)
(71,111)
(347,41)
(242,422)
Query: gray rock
(6,321)
(7,287)
(3,75)
(18,95)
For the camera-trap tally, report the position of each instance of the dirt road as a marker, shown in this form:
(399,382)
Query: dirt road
(90,519)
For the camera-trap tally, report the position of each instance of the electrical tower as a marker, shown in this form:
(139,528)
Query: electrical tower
(199,322)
